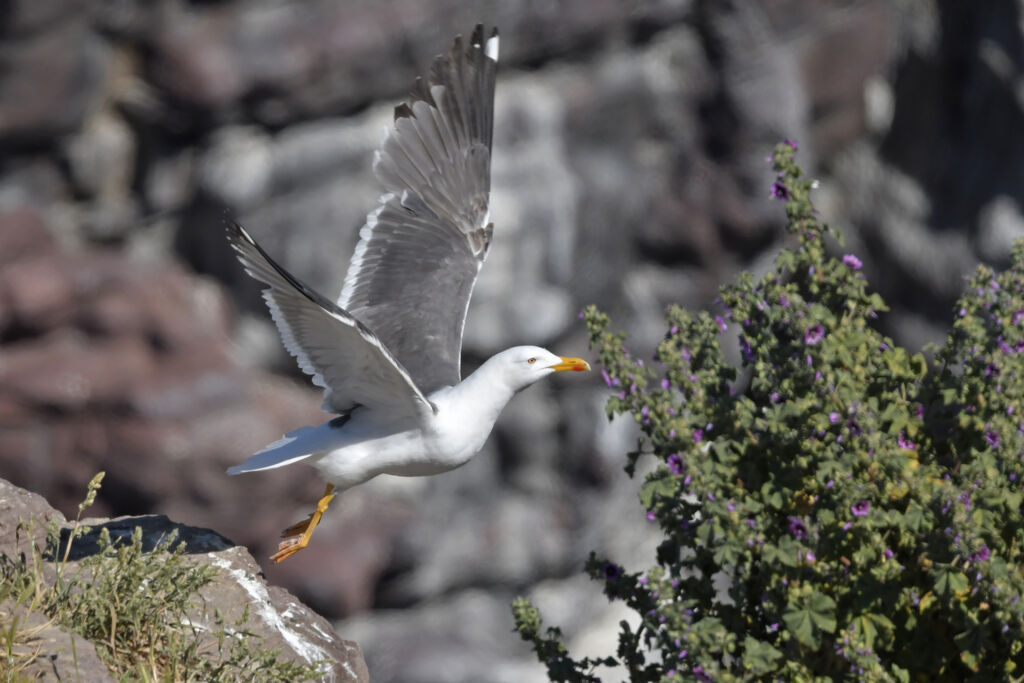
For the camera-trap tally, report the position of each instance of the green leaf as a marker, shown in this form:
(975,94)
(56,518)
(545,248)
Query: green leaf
(876,628)
(913,517)
(656,487)
(800,623)
(949,583)
(823,611)
(759,657)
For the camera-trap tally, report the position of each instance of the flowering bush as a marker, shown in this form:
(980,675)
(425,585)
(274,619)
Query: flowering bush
(834,508)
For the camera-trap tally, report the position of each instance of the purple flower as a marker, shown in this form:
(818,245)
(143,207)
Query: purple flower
(852,261)
(904,442)
(790,143)
(809,557)
(833,417)
(665,384)
(774,397)
(1018,317)
(676,464)
(860,508)
(814,334)
(981,555)
(783,301)
(612,571)
(797,528)
(698,435)
(721,323)
(888,554)
(608,379)
(779,191)
(992,439)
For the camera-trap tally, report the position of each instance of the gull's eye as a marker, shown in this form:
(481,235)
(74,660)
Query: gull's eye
(532,361)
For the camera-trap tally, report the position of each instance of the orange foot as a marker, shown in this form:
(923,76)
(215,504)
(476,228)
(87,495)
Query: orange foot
(296,537)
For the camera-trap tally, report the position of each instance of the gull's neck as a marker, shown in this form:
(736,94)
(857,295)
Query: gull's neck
(483,394)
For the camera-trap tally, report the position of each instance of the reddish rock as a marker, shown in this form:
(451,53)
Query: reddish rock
(22,233)
(128,367)
(836,63)
(69,372)
(39,290)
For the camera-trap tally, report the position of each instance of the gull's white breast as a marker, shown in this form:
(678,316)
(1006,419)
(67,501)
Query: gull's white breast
(366,446)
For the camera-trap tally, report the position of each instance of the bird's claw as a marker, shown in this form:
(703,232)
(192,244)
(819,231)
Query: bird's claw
(289,547)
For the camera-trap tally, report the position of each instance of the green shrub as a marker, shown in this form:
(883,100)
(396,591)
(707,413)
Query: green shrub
(861,508)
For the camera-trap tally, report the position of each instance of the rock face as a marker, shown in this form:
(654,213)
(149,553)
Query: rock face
(277,619)
(628,172)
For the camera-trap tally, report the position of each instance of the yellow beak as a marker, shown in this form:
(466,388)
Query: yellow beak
(576,364)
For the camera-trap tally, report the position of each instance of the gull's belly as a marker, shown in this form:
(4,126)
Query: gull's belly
(413,453)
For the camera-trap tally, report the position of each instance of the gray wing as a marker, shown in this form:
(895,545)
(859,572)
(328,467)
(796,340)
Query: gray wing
(342,355)
(419,252)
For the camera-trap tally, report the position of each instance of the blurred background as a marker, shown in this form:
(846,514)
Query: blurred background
(629,171)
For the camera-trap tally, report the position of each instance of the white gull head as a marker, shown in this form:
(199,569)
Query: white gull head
(520,366)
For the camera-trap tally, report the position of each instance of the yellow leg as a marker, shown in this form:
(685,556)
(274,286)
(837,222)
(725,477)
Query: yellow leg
(296,537)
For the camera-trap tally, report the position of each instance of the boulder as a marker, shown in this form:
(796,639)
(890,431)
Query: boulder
(276,618)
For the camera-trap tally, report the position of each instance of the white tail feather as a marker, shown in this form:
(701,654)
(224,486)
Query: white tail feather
(291,448)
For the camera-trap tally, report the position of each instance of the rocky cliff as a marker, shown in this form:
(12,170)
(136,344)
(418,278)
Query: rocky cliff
(628,172)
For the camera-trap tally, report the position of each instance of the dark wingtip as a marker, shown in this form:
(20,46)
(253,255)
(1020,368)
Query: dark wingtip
(236,232)
(403,111)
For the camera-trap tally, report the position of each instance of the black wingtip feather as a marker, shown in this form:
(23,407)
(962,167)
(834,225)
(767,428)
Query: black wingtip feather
(237,235)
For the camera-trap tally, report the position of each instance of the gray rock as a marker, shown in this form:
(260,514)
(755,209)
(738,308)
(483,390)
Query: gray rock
(23,18)
(457,639)
(49,83)
(340,57)
(1000,224)
(237,167)
(52,653)
(101,157)
(169,182)
(277,619)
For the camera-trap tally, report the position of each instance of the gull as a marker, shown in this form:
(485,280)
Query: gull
(388,352)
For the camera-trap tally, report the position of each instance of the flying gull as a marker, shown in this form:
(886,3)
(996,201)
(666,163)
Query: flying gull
(387,354)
